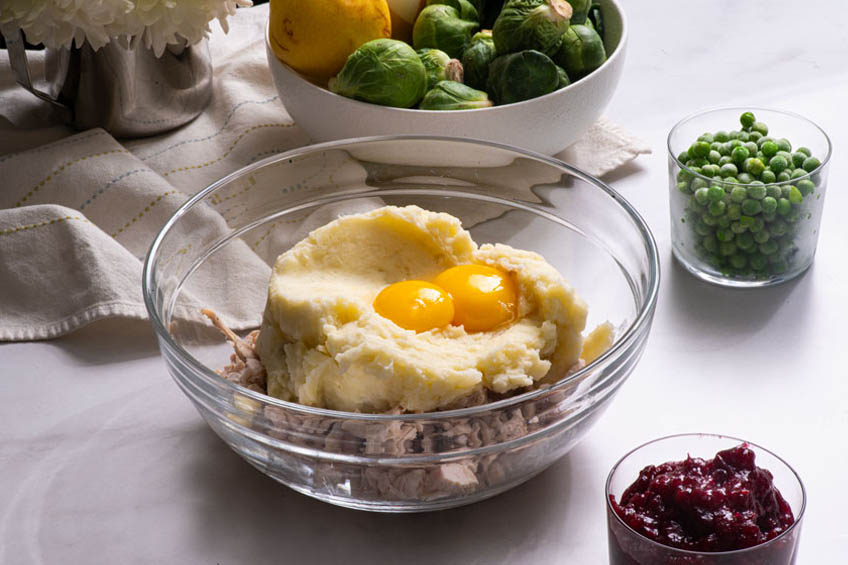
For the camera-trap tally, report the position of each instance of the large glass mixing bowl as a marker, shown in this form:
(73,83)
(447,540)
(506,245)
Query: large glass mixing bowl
(215,253)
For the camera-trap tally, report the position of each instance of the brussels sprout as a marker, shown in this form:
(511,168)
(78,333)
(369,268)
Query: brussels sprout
(531,24)
(596,16)
(452,95)
(563,78)
(580,9)
(519,76)
(581,52)
(382,71)
(476,59)
(467,10)
(439,66)
(440,27)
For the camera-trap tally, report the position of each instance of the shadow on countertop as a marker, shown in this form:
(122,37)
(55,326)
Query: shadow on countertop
(249,515)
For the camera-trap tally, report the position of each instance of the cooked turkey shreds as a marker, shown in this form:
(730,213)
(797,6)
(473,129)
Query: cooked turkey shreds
(399,437)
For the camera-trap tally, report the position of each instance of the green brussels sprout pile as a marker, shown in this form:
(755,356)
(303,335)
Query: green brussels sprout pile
(747,195)
(534,47)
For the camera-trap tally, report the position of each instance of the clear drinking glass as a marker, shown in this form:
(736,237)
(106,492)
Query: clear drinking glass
(733,230)
(628,547)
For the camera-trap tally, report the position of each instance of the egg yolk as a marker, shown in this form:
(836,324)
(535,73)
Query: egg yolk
(484,297)
(415,305)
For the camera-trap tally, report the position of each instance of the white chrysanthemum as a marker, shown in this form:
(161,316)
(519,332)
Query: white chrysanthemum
(156,23)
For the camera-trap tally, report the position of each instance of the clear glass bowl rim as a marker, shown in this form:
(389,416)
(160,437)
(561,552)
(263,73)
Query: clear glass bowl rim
(685,552)
(617,52)
(741,109)
(630,335)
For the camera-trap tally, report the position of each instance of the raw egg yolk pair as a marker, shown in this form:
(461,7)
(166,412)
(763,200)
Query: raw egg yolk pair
(477,297)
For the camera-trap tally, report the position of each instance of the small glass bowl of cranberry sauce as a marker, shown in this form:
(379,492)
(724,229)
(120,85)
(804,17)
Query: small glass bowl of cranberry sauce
(705,499)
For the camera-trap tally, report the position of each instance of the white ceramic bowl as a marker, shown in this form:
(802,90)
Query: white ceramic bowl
(546,124)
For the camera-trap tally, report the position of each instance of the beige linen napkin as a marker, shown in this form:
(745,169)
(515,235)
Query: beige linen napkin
(78,215)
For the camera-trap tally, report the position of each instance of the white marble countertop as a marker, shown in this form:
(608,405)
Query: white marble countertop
(102,459)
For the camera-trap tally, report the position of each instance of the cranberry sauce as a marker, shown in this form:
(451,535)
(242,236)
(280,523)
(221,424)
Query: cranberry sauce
(721,504)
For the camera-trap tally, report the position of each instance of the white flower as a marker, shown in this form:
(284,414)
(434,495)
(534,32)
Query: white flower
(155,23)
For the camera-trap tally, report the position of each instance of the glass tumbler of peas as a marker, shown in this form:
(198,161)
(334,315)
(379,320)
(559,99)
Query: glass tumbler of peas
(745,202)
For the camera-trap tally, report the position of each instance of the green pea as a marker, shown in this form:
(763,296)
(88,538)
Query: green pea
(698,183)
(738,261)
(724,160)
(701,196)
(779,266)
(729,170)
(733,134)
(725,149)
(717,208)
(811,164)
(784,176)
(723,221)
(745,178)
(754,136)
(743,136)
(726,248)
(734,142)
(816,178)
(769,149)
(806,186)
(768,216)
(720,135)
(758,261)
(760,127)
(734,211)
(709,219)
(702,229)
(716,261)
(751,147)
(756,192)
(778,228)
(784,190)
(793,216)
(768,247)
(747,120)
(699,149)
(783,206)
(761,236)
(795,196)
(714,156)
(710,170)
(784,144)
(738,227)
(798,159)
(739,154)
(798,173)
(715,193)
(697,162)
(768,176)
(708,137)
(777,164)
(769,205)
(761,156)
(755,167)
(763,140)
(744,240)
(724,234)
(751,207)
(786,155)
(805,151)
(684,187)
(710,243)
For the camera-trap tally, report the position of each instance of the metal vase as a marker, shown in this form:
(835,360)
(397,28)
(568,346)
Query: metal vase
(124,89)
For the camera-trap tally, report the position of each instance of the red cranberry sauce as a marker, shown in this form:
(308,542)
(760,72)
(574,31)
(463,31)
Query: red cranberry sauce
(722,504)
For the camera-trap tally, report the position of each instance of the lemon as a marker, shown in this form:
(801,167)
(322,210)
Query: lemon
(315,37)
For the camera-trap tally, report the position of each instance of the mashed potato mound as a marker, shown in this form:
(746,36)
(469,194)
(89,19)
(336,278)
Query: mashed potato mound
(323,344)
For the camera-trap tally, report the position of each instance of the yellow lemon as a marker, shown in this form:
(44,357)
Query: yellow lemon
(315,37)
